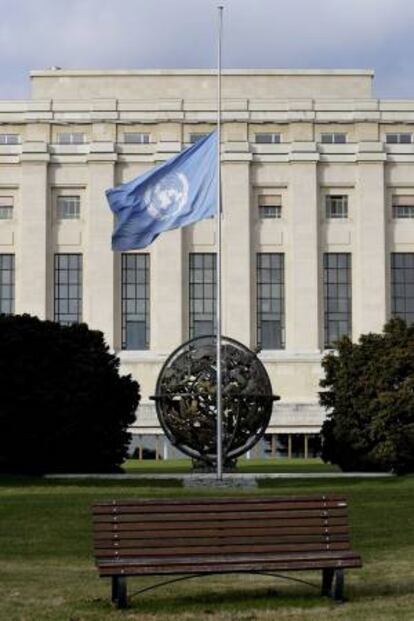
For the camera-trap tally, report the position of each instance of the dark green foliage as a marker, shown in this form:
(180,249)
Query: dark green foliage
(63,406)
(370,401)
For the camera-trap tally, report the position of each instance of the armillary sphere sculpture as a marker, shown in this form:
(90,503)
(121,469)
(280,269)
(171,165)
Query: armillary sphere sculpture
(187,406)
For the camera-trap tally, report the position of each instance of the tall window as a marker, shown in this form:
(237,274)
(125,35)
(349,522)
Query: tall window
(337,296)
(6,207)
(202,292)
(68,288)
(267,138)
(7,283)
(68,207)
(402,285)
(270,301)
(403,206)
(135,301)
(336,206)
(333,138)
(270,206)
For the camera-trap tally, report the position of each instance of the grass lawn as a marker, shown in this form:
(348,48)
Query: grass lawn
(280,464)
(47,571)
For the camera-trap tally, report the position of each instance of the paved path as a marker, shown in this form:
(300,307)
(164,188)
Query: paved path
(228,476)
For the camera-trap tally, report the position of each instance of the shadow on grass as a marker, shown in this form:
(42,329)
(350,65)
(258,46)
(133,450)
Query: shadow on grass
(233,598)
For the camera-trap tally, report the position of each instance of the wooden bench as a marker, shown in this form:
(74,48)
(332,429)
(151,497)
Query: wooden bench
(202,536)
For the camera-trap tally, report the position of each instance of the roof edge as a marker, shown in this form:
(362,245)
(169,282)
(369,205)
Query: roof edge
(39,73)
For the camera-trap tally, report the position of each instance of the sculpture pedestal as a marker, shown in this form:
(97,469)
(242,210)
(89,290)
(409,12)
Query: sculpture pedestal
(209,481)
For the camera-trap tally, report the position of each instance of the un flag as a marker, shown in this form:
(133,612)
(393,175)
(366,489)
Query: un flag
(176,193)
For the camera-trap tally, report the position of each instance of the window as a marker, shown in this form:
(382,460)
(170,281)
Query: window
(68,207)
(398,138)
(6,207)
(333,138)
(202,290)
(9,138)
(68,288)
(403,206)
(336,206)
(270,207)
(337,296)
(195,137)
(135,301)
(7,283)
(136,138)
(270,301)
(267,138)
(402,285)
(71,138)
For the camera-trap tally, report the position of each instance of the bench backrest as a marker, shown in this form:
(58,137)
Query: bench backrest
(183,526)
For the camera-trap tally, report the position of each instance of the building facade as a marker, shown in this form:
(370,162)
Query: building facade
(318,226)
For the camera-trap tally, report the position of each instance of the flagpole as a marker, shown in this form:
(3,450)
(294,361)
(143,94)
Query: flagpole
(218,256)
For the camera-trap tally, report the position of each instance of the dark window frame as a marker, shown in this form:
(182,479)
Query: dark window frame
(7,283)
(63,212)
(144,137)
(270,277)
(333,138)
(202,292)
(135,292)
(267,138)
(402,285)
(337,293)
(398,138)
(336,206)
(68,275)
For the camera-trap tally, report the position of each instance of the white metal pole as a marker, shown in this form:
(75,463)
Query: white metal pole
(218,256)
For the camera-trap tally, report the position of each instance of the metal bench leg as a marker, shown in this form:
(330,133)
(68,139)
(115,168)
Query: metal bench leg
(338,591)
(327,577)
(114,596)
(119,591)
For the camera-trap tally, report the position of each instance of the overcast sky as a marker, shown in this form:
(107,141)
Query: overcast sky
(127,34)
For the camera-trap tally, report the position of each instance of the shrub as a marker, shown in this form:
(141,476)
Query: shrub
(369,399)
(63,407)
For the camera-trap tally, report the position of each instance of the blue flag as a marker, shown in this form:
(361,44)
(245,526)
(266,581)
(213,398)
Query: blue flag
(178,192)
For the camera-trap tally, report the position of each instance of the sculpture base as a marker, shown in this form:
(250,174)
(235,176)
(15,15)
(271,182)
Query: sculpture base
(210,481)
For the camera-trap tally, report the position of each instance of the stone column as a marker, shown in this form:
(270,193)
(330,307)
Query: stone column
(33,267)
(100,293)
(166,291)
(302,290)
(369,263)
(237,263)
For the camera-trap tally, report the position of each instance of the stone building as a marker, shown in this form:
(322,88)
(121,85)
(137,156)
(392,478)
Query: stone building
(318,229)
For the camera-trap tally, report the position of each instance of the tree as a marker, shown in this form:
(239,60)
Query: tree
(369,397)
(63,405)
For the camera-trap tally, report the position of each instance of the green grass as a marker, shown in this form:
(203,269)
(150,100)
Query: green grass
(281,464)
(47,571)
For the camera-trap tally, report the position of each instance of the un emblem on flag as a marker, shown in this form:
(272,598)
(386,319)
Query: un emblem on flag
(167,197)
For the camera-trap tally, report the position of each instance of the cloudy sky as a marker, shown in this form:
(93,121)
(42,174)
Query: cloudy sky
(99,34)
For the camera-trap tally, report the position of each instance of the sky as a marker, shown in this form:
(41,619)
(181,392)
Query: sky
(149,34)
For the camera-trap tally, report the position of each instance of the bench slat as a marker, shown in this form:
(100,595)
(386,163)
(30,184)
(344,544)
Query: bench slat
(228,500)
(125,542)
(130,570)
(207,515)
(223,526)
(216,508)
(222,549)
